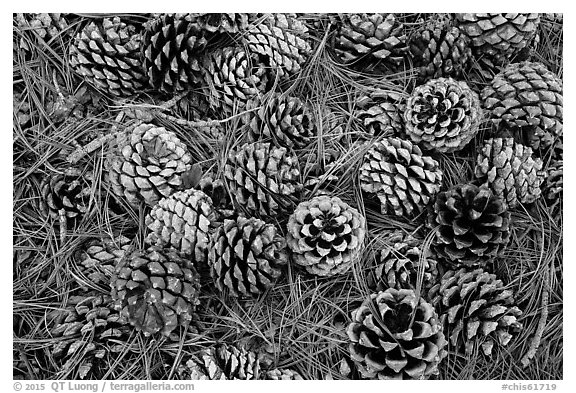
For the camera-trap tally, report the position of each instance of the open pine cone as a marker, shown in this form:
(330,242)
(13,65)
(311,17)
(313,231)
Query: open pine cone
(173,47)
(47,26)
(510,171)
(283,120)
(326,235)
(395,335)
(147,164)
(400,175)
(443,115)
(376,38)
(553,187)
(87,330)
(281,41)
(283,374)
(98,258)
(440,49)
(156,290)
(473,225)
(69,194)
(107,55)
(526,99)
(380,112)
(234,76)
(263,179)
(476,310)
(230,23)
(183,222)
(400,262)
(246,256)
(498,38)
(221,362)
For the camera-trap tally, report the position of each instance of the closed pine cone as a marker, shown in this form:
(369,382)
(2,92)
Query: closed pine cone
(443,115)
(499,37)
(403,340)
(476,309)
(326,235)
(108,55)
(510,171)
(473,225)
(554,184)
(221,362)
(87,330)
(263,179)
(401,176)
(182,221)
(246,256)
(526,98)
(156,290)
(147,165)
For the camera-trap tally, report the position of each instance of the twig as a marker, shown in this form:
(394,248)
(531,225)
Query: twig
(80,152)
(535,342)
(63,224)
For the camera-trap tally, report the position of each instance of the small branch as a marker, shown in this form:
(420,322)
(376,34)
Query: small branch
(83,151)
(63,225)
(535,342)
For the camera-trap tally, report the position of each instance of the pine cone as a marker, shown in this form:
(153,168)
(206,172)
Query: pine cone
(87,330)
(182,221)
(98,259)
(47,26)
(108,56)
(230,23)
(147,165)
(440,50)
(476,309)
(403,179)
(263,179)
(283,374)
(510,171)
(326,236)
(234,77)
(380,112)
(156,289)
(173,47)
(399,263)
(443,115)
(404,340)
(373,37)
(474,225)
(499,37)
(246,256)
(70,193)
(283,120)
(281,41)
(217,191)
(221,362)
(553,188)
(526,98)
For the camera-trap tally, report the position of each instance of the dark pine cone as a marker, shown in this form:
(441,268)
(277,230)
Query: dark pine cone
(473,225)
(395,335)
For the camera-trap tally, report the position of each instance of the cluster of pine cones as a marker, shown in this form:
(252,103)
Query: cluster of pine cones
(267,204)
